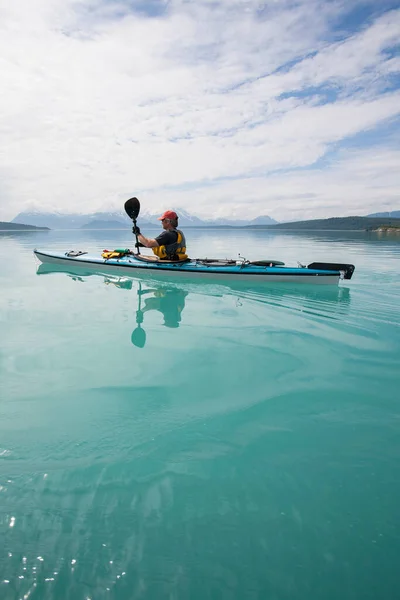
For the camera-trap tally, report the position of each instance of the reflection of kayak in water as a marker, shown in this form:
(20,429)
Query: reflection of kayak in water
(169,298)
(230,270)
(245,289)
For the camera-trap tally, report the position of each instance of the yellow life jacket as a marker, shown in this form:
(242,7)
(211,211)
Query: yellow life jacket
(118,253)
(176,251)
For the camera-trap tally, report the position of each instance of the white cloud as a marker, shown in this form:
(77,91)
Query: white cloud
(99,103)
(339,190)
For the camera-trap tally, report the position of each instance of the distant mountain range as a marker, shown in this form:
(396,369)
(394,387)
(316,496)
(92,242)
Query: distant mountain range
(394,214)
(337,224)
(98,224)
(119,220)
(112,220)
(6,226)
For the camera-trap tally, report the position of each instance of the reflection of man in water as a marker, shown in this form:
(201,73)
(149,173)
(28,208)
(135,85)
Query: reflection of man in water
(169,302)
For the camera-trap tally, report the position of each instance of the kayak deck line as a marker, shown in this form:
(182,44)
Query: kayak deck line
(319,273)
(127,262)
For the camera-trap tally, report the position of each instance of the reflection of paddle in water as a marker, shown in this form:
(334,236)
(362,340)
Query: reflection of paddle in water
(170,302)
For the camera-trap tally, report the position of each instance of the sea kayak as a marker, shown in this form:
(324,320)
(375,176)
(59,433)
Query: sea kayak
(206,268)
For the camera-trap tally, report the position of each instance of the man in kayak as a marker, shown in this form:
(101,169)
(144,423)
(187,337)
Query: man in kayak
(170,244)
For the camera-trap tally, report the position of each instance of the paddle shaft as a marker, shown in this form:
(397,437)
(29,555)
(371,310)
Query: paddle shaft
(137,241)
(138,336)
(140,296)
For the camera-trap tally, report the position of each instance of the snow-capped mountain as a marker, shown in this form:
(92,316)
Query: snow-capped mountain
(185,218)
(57,220)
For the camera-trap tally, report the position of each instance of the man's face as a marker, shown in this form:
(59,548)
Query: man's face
(166,223)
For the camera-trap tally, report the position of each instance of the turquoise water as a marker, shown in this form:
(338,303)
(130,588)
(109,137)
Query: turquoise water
(242,442)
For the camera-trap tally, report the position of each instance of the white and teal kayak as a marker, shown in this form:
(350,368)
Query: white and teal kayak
(132,264)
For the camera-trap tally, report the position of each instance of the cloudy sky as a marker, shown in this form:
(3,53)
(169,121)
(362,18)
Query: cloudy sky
(222,107)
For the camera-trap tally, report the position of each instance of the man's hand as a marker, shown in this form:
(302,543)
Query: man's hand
(139,245)
(135,230)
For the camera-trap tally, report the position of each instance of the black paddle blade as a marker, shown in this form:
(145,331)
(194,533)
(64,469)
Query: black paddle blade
(132,208)
(138,337)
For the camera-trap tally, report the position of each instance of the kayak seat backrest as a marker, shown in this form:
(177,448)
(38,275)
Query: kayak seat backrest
(267,263)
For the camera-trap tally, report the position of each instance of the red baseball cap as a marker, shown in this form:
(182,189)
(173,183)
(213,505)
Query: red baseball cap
(169,214)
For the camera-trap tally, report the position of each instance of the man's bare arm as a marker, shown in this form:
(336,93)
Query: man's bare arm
(147,242)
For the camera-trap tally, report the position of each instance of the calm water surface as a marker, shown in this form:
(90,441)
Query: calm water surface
(242,442)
